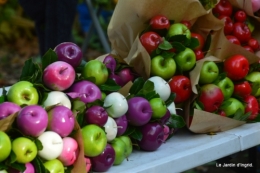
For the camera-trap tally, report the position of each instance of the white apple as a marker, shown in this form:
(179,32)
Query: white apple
(172,108)
(110,129)
(57,98)
(161,87)
(115,104)
(52,145)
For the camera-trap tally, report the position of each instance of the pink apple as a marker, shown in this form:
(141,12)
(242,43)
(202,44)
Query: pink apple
(59,76)
(29,168)
(61,120)
(166,130)
(88,164)
(255,5)
(69,152)
(8,108)
(32,120)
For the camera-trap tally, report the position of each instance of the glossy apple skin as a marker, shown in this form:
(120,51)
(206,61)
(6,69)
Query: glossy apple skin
(150,41)
(118,80)
(58,76)
(227,87)
(209,72)
(233,39)
(158,22)
(5,146)
(232,108)
(69,52)
(236,67)
(201,40)
(242,89)
(122,125)
(153,135)
(54,166)
(32,120)
(253,43)
(69,152)
(240,16)
(228,24)
(166,117)
(139,111)
(178,29)
(248,48)
(61,120)
(161,87)
(29,168)
(110,63)
(199,54)
(255,5)
(181,86)
(242,32)
(8,108)
(105,160)
(85,90)
(224,7)
(251,106)
(96,115)
(126,75)
(211,97)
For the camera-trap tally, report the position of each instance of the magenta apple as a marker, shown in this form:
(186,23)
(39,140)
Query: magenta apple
(126,75)
(29,168)
(32,120)
(69,152)
(96,115)
(61,120)
(58,76)
(122,125)
(8,108)
(110,63)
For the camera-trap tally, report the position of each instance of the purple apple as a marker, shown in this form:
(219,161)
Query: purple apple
(29,168)
(126,75)
(122,125)
(153,136)
(166,117)
(32,120)
(96,115)
(69,152)
(69,52)
(117,79)
(105,160)
(58,76)
(61,120)
(8,108)
(110,63)
(85,90)
(139,111)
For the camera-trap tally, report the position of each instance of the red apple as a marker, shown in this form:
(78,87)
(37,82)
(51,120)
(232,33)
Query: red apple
(224,7)
(159,22)
(253,43)
(242,32)
(242,89)
(201,40)
(248,48)
(233,39)
(240,16)
(228,24)
(251,106)
(150,41)
(186,23)
(199,54)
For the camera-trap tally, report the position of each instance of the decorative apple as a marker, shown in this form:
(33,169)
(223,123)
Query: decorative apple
(54,166)
(251,106)
(129,146)
(255,5)
(57,98)
(242,32)
(159,21)
(119,147)
(122,125)
(232,108)
(242,89)
(228,24)
(178,29)
(159,108)
(150,41)
(110,129)
(223,7)
(126,75)
(161,87)
(96,115)
(186,59)
(8,108)
(227,87)
(201,40)
(58,76)
(233,39)
(209,72)
(5,146)
(69,152)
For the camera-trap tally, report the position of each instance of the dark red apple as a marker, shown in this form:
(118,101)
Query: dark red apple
(242,89)
(240,16)
(242,32)
(251,106)
(201,40)
(233,39)
(223,7)
(126,75)
(253,43)
(150,41)
(159,21)
(96,115)
(228,24)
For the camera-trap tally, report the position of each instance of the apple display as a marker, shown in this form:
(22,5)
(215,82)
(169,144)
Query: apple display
(242,32)
(54,166)
(61,120)
(120,150)
(110,129)
(94,139)
(228,25)
(150,41)
(186,59)
(178,29)
(161,87)
(172,108)
(24,149)
(32,120)
(232,108)
(5,145)
(96,115)
(139,111)
(159,108)
(200,39)
(255,5)
(129,146)
(223,7)
(118,80)
(251,105)
(209,72)
(57,98)
(122,125)
(97,70)
(242,89)
(69,52)
(8,108)
(52,145)
(69,152)
(29,168)
(227,87)
(110,63)
(126,74)
(159,22)
(58,76)
(115,104)
(23,93)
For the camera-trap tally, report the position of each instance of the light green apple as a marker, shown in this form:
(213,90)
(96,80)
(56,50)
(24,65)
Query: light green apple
(5,146)
(54,166)
(120,150)
(227,87)
(159,108)
(23,93)
(163,67)
(209,72)
(254,77)
(25,149)
(94,140)
(3,171)
(232,108)
(128,143)
(97,70)
(178,29)
(185,60)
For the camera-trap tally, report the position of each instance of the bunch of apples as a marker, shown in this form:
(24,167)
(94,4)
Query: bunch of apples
(238,26)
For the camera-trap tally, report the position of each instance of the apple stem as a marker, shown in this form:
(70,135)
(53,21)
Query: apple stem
(64,69)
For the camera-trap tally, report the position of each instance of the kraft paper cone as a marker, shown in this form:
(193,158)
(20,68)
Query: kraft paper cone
(6,123)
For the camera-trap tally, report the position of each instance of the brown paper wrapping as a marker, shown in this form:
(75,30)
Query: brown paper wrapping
(6,123)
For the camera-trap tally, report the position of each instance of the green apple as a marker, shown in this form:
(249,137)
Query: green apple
(227,87)
(23,93)
(103,96)
(186,59)
(250,24)
(159,108)
(163,67)
(24,149)
(128,143)
(209,72)
(232,108)
(5,146)
(120,150)
(54,166)
(97,70)
(94,140)
(254,77)
(3,171)
(178,29)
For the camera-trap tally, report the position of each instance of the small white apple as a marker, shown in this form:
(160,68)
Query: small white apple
(52,145)
(172,108)
(161,87)
(57,98)
(115,104)
(110,129)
